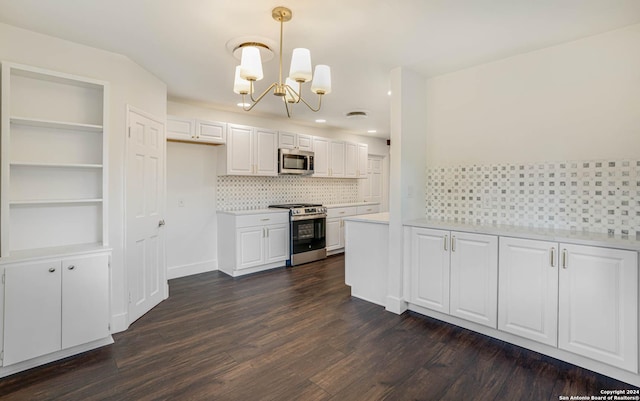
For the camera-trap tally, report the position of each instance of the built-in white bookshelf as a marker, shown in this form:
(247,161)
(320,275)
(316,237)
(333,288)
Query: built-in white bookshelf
(53,161)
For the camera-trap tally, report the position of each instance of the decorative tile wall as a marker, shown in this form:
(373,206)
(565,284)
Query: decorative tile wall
(595,195)
(242,193)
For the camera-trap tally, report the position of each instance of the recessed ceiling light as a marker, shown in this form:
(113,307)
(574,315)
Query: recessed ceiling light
(372,131)
(389,93)
(244,104)
(321,121)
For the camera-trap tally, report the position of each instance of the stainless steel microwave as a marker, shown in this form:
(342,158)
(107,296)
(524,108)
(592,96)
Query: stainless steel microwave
(295,161)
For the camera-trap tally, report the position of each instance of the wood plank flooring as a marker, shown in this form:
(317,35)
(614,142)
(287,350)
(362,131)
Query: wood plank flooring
(296,334)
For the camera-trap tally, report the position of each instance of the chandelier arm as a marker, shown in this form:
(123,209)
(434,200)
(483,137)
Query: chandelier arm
(309,106)
(255,101)
(286,106)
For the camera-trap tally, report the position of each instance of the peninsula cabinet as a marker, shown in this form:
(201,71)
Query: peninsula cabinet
(455,273)
(54,304)
(253,242)
(249,151)
(335,224)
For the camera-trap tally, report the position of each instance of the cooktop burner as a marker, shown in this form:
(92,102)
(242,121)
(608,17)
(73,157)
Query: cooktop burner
(294,205)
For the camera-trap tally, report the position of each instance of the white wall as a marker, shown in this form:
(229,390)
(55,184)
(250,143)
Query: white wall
(575,101)
(129,84)
(192,245)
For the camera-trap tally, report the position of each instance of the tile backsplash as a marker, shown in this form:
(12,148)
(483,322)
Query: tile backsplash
(594,195)
(243,193)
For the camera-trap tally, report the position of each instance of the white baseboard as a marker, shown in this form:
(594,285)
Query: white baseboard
(119,322)
(193,268)
(396,305)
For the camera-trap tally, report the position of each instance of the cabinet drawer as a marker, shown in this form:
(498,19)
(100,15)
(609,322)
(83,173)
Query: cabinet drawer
(252,220)
(342,211)
(368,209)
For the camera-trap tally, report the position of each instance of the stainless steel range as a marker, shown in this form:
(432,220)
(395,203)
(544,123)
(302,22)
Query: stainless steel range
(307,232)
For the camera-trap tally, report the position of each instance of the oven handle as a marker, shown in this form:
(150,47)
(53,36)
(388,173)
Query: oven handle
(309,217)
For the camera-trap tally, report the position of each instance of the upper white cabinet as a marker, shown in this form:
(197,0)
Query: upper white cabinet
(455,273)
(54,146)
(336,159)
(194,130)
(528,289)
(363,160)
(598,304)
(321,157)
(351,160)
(250,151)
(288,140)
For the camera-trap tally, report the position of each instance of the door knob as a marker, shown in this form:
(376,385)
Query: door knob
(161,223)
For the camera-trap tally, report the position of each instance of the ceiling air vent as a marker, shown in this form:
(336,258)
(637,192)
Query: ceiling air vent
(356,115)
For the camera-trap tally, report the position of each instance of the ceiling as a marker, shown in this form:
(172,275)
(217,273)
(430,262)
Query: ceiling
(184,42)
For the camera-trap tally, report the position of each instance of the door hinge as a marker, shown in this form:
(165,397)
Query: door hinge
(109,327)
(3,277)
(129,129)
(2,356)
(129,297)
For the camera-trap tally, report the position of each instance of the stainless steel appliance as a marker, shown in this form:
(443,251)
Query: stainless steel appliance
(307,232)
(295,161)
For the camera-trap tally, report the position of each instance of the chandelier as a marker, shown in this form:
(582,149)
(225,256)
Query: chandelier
(290,90)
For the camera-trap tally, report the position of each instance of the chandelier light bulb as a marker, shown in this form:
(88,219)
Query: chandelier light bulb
(292,95)
(300,70)
(321,80)
(251,64)
(240,86)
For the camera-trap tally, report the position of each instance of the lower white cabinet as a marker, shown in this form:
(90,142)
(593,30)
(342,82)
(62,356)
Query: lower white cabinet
(528,289)
(455,273)
(54,304)
(335,224)
(252,242)
(598,304)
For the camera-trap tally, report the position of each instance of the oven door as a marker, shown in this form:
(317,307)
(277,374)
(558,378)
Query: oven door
(308,234)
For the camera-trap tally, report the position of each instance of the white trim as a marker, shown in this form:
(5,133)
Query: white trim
(119,322)
(244,272)
(191,269)
(395,305)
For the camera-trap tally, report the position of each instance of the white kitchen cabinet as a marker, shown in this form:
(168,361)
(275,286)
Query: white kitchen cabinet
(598,304)
(528,289)
(350,160)
(321,157)
(288,140)
(253,242)
(455,273)
(196,130)
(363,160)
(335,227)
(336,159)
(53,305)
(368,209)
(250,151)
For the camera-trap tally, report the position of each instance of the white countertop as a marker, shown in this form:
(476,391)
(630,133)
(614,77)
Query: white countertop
(253,211)
(375,218)
(544,234)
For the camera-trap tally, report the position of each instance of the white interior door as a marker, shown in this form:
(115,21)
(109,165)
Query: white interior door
(145,259)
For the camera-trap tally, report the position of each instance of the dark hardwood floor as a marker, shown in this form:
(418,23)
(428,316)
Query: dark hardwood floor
(296,334)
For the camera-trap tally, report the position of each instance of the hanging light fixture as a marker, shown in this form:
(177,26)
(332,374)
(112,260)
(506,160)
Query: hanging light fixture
(290,90)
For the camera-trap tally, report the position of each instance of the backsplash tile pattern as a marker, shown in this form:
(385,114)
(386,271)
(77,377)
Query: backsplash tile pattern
(595,195)
(243,192)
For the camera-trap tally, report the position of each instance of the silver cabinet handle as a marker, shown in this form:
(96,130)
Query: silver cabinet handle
(565,263)
(446,240)
(161,223)
(553,257)
(453,243)
(52,269)
(71,267)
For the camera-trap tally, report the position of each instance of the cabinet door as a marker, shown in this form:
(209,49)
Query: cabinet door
(336,159)
(277,247)
(211,131)
(430,269)
(286,140)
(32,307)
(239,150)
(598,304)
(321,157)
(305,142)
(528,289)
(250,242)
(181,129)
(363,160)
(350,160)
(85,300)
(334,234)
(266,152)
(474,278)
